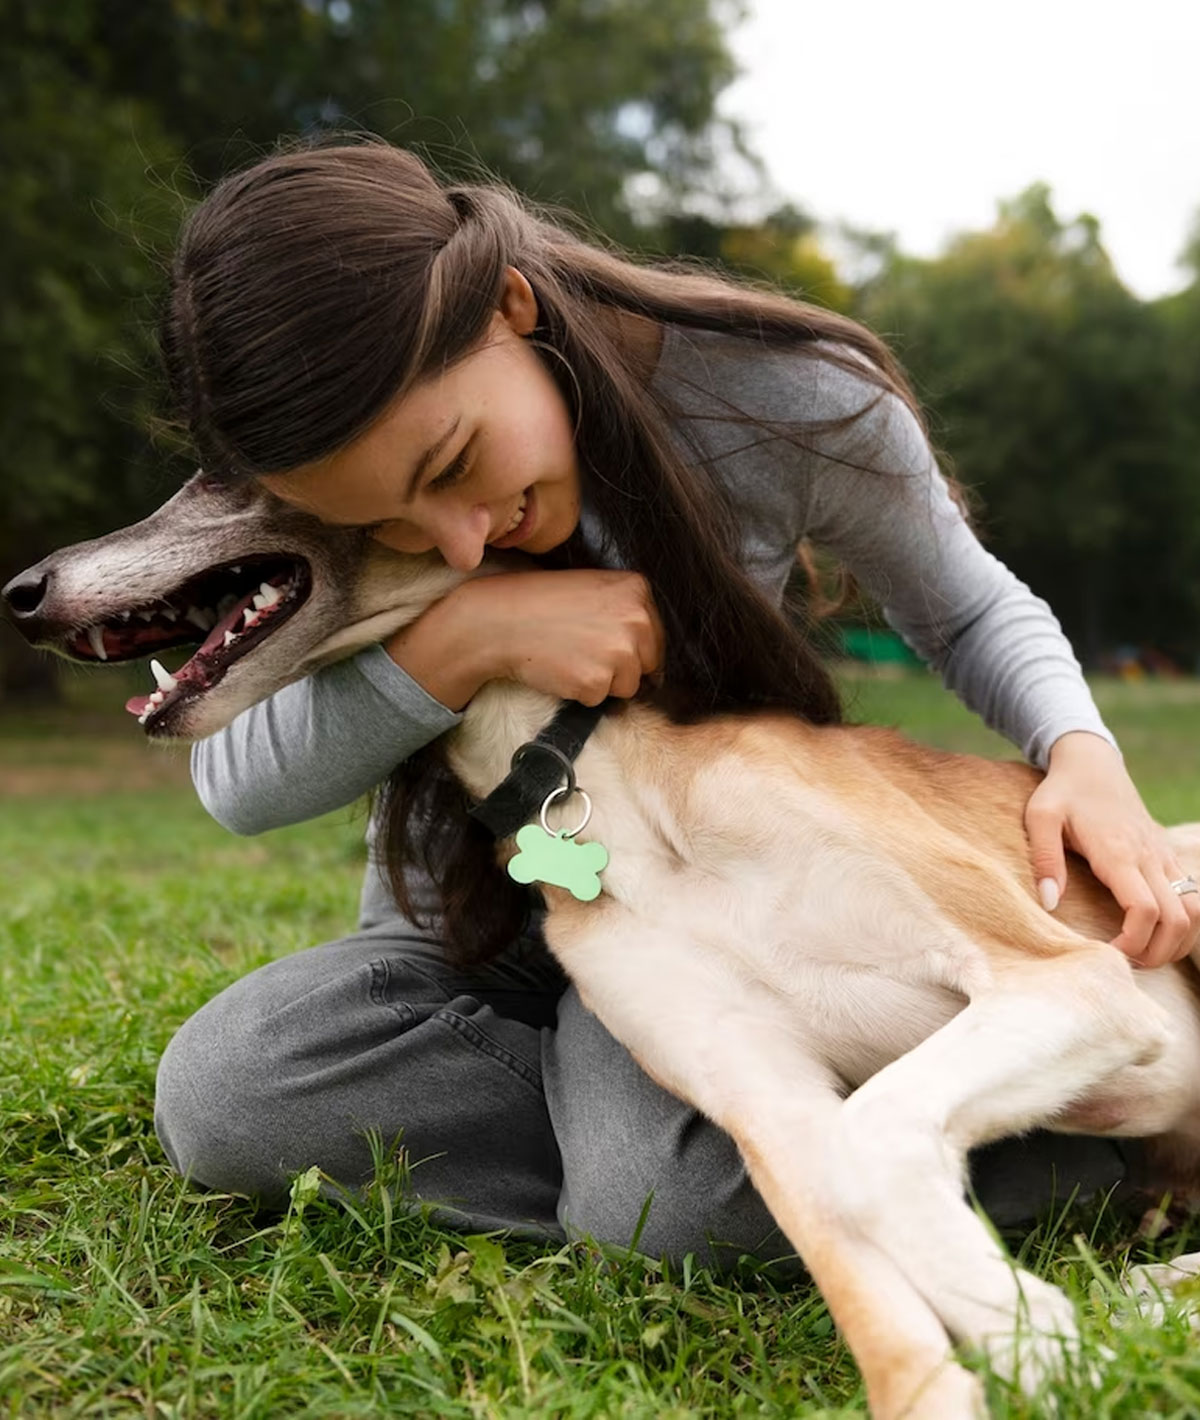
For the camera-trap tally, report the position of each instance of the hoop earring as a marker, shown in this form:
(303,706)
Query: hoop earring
(536,344)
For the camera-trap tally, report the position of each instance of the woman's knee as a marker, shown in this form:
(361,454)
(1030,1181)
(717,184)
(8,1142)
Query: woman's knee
(243,1085)
(310,1058)
(217,1100)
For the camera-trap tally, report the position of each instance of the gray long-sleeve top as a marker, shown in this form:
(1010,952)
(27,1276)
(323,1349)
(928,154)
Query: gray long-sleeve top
(322,743)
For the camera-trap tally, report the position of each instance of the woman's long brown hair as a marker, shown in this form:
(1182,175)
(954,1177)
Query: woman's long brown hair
(319,285)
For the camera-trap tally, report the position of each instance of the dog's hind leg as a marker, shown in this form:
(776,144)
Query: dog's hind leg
(730,1048)
(1050,1032)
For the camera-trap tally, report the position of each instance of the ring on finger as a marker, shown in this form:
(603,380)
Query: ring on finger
(1182,886)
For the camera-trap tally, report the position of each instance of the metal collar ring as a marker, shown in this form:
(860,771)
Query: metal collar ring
(583,822)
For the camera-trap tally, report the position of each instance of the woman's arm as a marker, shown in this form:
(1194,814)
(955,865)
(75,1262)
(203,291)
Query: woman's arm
(1002,651)
(995,644)
(317,745)
(325,741)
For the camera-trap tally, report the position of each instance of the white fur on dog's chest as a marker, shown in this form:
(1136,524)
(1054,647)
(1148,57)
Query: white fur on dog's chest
(768,899)
(857,1009)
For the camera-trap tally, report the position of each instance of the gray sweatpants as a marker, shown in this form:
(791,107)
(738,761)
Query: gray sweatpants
(515,1105)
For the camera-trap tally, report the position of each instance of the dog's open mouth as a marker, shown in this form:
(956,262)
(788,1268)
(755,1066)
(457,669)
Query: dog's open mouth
(228,609)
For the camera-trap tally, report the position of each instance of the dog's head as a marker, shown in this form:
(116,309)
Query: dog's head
(269,594)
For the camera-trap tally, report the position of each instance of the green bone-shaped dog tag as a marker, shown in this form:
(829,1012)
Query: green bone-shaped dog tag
(559,861)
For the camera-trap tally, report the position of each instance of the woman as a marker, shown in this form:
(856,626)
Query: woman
(446,370)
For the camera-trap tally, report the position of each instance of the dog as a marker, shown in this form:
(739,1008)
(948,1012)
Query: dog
(825,939)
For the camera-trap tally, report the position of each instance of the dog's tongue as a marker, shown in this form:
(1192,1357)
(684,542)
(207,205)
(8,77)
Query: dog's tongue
(232,621)
(200,664)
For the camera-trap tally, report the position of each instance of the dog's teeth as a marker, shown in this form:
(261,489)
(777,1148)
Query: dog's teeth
(124,615)
(266,597)
(95,635)
(251,618)
(162,677)
(144,716)
(145,613)
(170,613)
(230,638)
(197,618)
(264,603)
(236,570)
(157,697)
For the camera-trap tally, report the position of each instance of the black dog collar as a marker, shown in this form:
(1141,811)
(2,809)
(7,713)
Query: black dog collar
(538,768)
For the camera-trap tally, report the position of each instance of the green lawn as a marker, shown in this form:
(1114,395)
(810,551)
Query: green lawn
(124,1293)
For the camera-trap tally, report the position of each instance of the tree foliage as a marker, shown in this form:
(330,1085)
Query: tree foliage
(567,99)
(785,249)
(1053,393)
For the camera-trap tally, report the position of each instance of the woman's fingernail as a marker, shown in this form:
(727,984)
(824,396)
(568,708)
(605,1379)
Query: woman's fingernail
(1048,892)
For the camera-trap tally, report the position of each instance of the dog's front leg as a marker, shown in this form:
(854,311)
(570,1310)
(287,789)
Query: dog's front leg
(730,1048)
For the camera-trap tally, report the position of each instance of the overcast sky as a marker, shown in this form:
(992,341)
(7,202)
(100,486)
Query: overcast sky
(914,116)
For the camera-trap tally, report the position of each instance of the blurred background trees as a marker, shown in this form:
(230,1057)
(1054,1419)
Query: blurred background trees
(1069,406)
(1060,401)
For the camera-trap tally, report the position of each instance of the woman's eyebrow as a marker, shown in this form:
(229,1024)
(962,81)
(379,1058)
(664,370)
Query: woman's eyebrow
(429,456)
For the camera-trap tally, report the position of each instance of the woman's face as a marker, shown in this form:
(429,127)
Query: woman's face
(482,455)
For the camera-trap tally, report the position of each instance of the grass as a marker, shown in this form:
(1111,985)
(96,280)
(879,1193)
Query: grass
(123,1292)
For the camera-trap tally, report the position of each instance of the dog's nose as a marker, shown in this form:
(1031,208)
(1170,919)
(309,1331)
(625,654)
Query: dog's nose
(26,592)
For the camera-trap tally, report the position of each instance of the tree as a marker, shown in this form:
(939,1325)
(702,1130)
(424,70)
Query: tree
(1050,387)
(73,330)
(567,99)
(784,249)
(1177,321)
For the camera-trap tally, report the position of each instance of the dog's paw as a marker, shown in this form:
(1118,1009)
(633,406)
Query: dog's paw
(1153,1286)
(1038,1344)
(949,1393)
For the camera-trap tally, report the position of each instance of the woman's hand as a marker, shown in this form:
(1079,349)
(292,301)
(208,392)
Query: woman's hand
(579,635)
(1088,803)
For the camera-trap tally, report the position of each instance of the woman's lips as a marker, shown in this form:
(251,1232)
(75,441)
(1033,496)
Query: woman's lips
(524,527)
